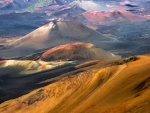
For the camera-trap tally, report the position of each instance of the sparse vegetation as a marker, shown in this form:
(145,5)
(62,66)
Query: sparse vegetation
(39,95)
(91,90)
(127,60)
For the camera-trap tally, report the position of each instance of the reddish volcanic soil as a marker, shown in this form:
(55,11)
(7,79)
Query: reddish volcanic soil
(76,51)
(111,16)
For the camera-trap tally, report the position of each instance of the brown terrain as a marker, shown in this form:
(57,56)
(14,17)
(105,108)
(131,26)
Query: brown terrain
(76,51)
(60,55)
(36,65)
(51,35)
(111,17)
(104,86)
(67,67)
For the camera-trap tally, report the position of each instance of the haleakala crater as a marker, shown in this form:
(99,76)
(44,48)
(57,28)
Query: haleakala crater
(74,56)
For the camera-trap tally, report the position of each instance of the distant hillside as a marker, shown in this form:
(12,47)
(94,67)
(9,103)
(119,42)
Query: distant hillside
(108,18)
(15,4)
(86,5)
(39,3)
(68,12)
(43,3)
(4,3)
(50,35)
(76,51)
(11,5)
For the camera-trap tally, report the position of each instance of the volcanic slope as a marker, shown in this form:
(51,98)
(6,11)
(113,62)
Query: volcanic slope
(15,4)
(120,87)
(68,12)
(44,3)
(77,51)
(3,3)
(11,5)
(111,17)
(19,68)
(50,35)
(86,5)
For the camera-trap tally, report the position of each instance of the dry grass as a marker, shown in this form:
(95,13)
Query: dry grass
(123,88)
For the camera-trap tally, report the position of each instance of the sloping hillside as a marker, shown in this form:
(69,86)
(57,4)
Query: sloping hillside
(50,35)
(109,18)
(122,87)
(19,68)
(77,51)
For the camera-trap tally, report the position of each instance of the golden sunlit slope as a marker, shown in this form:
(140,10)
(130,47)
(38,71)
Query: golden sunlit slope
(77,51)
(18,68)
(120,88)
(50,35)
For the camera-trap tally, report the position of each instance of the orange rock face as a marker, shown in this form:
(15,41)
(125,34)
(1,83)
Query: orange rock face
(123,86)
(76,51)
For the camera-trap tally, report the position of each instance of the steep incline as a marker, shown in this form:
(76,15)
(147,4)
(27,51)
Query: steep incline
(50,35)
(120,88)
(77,51)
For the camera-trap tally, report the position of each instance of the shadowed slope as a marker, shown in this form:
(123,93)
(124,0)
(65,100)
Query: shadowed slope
(46,73)
(114,89)
(4,3)
(18,68)
(50,35)
(12,5)
(15,4)
(78,51)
